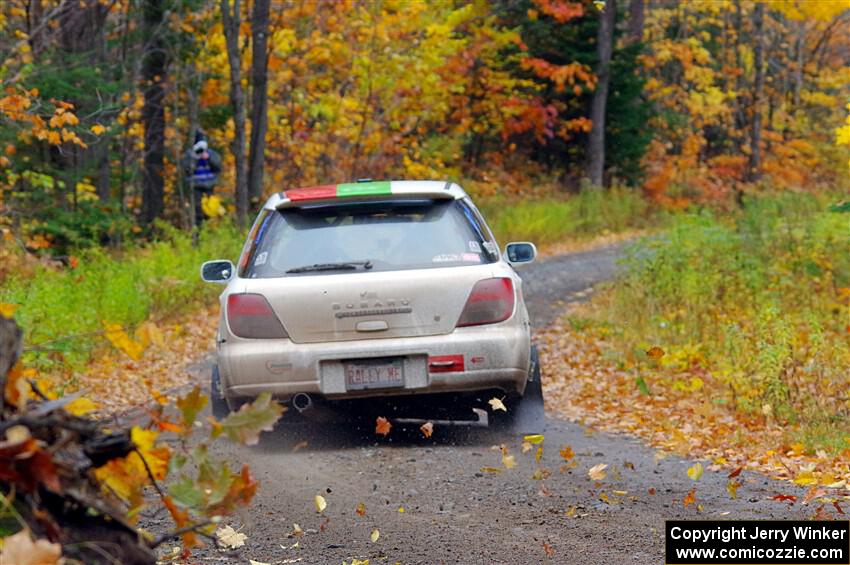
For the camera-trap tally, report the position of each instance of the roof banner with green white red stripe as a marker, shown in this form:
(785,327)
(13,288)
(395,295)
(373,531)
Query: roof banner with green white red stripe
(345,190)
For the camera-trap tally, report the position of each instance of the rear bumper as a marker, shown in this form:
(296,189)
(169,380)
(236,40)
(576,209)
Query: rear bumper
(494,356)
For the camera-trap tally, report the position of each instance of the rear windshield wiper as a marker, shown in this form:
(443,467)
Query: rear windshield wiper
(346,266)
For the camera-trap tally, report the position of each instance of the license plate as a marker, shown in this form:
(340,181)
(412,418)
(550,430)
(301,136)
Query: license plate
(374,373)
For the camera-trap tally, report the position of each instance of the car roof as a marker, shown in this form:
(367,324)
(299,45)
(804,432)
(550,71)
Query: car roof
(365,191)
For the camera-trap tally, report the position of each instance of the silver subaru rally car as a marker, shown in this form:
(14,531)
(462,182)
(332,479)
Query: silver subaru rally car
(376,298)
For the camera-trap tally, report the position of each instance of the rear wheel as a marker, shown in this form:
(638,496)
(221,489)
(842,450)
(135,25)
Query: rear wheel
(525,414)
(218,403)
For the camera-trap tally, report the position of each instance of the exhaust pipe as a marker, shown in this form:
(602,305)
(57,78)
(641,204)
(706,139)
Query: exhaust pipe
(302,402)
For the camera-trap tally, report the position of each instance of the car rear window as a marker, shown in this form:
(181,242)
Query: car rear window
(389,235)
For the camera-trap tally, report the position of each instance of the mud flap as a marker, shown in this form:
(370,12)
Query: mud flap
(526,414)
(218,405)
(529,413)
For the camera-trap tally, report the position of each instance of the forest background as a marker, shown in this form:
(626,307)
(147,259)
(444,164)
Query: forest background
(719,127)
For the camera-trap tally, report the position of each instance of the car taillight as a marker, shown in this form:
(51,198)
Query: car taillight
(491,301)
(249,315)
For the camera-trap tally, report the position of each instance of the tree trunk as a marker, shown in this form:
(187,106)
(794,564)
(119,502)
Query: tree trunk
(154,69)
(231,18)
(636,20)
(758,93)
(596,141)
(259,99)
(799,48)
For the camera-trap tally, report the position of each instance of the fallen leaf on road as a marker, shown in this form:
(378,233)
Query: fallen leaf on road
(229,538)
(361,509)
(296,530)
(382,426)
(732,488)
(321,503)
(536,439)
(375,535)
(490,470)
(401,509)
(604,498)
(690,498)
(784,497)
(252,562)
(497,404)
(735,473)
(837,507)
(299,446)
(597,472)
(806,478)
(567,452)
(541,474)
(812,494)
(427,429)
(539,453)
(526,447)
(548,549)
(695,471)
(651,491)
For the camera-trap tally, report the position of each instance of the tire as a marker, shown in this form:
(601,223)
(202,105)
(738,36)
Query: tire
(218,404)
(526,414)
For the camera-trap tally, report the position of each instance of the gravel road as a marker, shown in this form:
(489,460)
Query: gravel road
(455,513)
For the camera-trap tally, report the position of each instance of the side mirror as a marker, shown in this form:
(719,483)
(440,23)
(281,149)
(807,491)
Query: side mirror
(520,252)
(217,271)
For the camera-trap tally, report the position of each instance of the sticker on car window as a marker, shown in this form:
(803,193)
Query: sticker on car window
(261,259)
(475,247)
(447,258)
(473,257)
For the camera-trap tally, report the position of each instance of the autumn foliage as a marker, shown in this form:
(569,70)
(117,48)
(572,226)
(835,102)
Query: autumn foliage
(77,488)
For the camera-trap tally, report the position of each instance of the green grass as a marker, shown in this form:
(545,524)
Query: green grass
(580,216)
(759,298)
(155,281)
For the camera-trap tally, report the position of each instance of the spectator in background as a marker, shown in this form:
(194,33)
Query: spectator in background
(201,166)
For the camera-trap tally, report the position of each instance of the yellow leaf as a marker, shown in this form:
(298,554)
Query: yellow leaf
(80,406)
(695,471)
(296,530)
(567,452)
(732,488)
(401,509)
(98,129)
(127,476)
(526,447)
(321,504)
(508,461)
(7,310)
(375,535)
(597,472)
(539,453)
(121,341)
(806,478)
(490,470)
(535,439)
(497,404)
